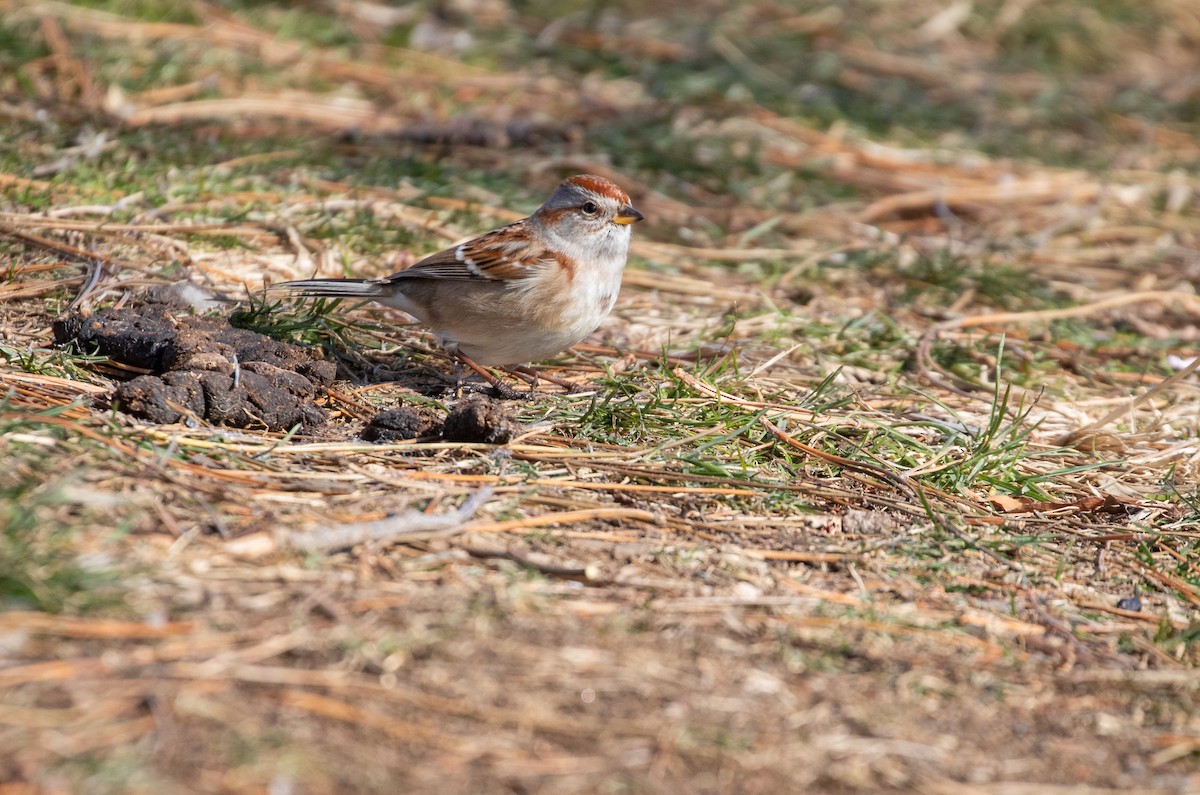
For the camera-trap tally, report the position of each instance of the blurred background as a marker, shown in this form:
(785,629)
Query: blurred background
(777,125)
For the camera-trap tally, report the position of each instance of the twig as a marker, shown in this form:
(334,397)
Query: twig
(360,716)
(72,627)
(549,569)
(67,64)
(1074,436)
(563,517)
(898,481)
(409,526)
(93,261)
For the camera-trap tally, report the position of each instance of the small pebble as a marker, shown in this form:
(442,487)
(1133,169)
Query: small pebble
(1132,603)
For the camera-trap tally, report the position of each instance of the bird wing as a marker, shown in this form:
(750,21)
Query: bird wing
(510,253)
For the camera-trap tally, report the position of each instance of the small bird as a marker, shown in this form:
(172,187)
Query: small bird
(520,293)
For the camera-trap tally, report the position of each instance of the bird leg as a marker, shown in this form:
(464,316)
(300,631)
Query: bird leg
(506,391)
(532,376)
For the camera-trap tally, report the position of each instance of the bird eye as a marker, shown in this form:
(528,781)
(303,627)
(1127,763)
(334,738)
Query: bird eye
(590,208)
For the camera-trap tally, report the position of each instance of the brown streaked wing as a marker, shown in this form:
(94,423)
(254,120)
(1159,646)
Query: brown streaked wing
(442,265)
(504,254)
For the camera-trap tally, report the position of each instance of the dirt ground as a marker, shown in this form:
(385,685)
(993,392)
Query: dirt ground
(881,477)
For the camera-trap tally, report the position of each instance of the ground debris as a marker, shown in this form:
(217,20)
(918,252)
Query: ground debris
(201,367)
(396,425)
(478,419)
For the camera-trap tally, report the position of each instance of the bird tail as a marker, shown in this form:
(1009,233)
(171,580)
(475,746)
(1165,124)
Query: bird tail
(331,288)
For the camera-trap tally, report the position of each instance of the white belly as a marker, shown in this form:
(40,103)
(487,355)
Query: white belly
(540,323)
(589,305)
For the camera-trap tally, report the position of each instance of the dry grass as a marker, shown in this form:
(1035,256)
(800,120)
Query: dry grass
(885,477)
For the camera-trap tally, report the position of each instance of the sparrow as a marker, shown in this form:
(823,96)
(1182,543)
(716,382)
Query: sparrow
(520,293)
